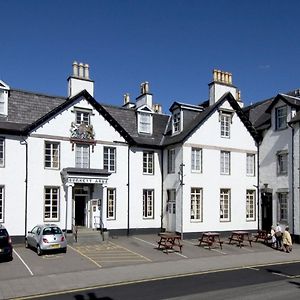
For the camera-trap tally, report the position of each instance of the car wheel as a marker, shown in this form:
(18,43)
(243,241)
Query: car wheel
(64,250)
(39,250)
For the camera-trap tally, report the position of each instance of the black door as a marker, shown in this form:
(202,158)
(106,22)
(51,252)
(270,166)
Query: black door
(79,210)
(267,211)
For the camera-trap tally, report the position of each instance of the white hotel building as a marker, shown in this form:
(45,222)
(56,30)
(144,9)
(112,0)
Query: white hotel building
(73,161)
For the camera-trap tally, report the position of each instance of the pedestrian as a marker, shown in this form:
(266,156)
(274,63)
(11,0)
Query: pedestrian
(271,237)
(278,236)
(287,240)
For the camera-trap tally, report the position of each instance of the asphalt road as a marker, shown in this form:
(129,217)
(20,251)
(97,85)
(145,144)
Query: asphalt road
(281,281)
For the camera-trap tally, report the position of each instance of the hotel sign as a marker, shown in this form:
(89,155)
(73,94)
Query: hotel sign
(87,180)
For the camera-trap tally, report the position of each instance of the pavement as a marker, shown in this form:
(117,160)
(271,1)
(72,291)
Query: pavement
(27,287)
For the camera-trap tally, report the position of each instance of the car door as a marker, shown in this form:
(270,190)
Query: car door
(31,236)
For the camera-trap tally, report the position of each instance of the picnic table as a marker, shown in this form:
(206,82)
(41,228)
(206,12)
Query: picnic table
(210,239)
(240,237)
(169,240)
(261,235)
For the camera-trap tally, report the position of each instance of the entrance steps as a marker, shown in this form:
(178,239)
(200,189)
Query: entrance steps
(87,236)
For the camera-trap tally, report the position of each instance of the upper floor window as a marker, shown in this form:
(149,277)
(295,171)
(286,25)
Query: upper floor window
(145,122)
(51,204)
(250,205)
(225,205)
(281,117)
(225,163)
(51,155)
(225,121)
(2,148)
(196,204)
(282,207)
(196,163)
(109,159)
(83,116)
(176,122)
(171,161)
(250,164)
(82,156)
(2,103)
(282,163)
(148,163)
(4,90)
(1,203)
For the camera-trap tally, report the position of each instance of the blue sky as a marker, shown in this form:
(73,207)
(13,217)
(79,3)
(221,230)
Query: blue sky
(174,45)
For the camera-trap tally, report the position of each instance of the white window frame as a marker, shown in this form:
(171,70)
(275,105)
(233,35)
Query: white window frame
(110,159)
(281,117)
(282,163)
(225,121)
(145,122)
(171,161)
(111,204)
(52,155)
(2,152)
(51,203)
(225,162)
(250,164)
(196,204)
(176,122)
(2,203)
(148,163)
(82,116)
(148,204)
(196,160)
(82,156)
(250,205)
(282,207)
(225,205)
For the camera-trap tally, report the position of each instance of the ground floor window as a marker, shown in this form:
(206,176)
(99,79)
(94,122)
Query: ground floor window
(196,204)
(148,203)
(51,204)
(1,203)
(282,207)
(250,205)
(111,204)
(225,205)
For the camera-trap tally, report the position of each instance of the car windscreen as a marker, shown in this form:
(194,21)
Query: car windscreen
(3,233)
(51,230)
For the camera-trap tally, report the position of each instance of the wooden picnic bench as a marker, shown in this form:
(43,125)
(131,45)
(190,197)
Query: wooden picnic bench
(240,237)
(210,239)
(169,240)
(261,235)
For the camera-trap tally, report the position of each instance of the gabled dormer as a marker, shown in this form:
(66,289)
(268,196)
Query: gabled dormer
(4,90)
(145,120)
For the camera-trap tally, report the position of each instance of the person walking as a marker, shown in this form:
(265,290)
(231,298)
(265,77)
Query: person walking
(287,240)
(278,236)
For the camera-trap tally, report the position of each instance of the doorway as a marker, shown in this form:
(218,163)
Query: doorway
(267,211)
(171,210)
(80,209)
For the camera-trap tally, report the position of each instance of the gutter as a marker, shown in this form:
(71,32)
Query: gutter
(24,142)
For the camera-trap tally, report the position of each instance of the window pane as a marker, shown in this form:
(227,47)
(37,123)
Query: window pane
(109,159)
(82,156)
(196,204)
(148,202)
(51,203)
(225,205)
(250,205)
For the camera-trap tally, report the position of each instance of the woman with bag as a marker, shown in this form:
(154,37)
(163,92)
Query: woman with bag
(287,240)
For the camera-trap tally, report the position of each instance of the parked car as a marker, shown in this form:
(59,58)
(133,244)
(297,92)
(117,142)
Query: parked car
(6,248)
(46,237)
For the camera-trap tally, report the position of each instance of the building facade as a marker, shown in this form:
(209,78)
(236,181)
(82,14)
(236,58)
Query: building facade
(73,161)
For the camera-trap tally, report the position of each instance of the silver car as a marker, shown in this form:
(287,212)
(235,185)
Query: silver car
(46,237)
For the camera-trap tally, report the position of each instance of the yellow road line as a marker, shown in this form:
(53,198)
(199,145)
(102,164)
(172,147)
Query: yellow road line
(85,256)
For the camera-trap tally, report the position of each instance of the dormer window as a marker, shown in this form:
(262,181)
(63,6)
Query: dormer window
(281,117)
(176,122)
(4,88)
(225,121)
(144,120)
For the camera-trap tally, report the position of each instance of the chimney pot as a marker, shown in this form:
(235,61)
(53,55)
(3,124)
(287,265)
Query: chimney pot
(75,68)
(86,71)
(81,70)
(126,98)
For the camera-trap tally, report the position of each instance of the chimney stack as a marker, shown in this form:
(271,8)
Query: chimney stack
(80,80)
(221,84)
(145,97)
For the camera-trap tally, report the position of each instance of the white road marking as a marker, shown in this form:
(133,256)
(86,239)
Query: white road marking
(31,273)
(216,250)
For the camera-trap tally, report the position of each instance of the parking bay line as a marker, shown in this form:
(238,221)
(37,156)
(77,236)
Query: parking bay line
(85,256)
(31,273)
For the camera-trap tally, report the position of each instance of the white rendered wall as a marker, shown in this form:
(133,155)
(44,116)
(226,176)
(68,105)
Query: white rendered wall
(12,177)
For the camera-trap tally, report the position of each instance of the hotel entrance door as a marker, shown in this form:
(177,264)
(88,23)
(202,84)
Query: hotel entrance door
(80,210)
